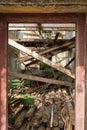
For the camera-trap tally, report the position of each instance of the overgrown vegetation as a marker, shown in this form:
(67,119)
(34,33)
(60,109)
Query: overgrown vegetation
(16,87)
(18,95)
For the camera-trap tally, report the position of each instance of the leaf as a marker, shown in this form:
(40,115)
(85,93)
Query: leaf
(27,100)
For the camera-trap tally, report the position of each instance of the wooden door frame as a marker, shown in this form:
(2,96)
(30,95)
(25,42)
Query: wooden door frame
(79,20)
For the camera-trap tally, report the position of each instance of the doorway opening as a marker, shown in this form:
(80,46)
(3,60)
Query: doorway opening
(41,76)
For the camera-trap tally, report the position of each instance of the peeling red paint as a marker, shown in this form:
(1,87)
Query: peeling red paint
(80,74)
(79,88)
(3,75)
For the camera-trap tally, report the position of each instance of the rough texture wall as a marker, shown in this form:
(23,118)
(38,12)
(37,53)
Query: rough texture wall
(42,1)
(43,6)
(36,2)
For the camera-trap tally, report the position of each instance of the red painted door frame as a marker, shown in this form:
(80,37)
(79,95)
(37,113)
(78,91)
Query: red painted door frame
(79,20)
(3,74)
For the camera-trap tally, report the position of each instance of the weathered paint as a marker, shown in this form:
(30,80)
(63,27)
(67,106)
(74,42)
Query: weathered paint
(3,74)
(86,86)
(80,75)
(41,18)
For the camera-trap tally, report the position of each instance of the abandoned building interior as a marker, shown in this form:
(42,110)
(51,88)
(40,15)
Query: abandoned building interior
(43,65)
(50,43)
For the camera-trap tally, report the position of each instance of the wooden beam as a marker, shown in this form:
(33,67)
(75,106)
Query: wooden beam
(40,58)
(63,49)
(41,17)
(42,42)
(72,8)
(53,48)
(86,85)
(21,28)
(80,74)
(3,75)
(55,52)
(45,80)
(34,61)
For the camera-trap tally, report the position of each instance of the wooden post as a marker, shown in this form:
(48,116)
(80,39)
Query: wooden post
(86,85)
(80,74)
(3,74)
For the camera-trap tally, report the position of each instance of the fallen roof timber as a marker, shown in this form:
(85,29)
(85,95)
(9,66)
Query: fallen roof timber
(41,58)
(63,49)
(33,61)
(51,49)
(49,55)
(45,80)
(42,42)
(36,44)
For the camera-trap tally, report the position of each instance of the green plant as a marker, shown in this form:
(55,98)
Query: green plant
(27,100)
(28,83)
(15,83)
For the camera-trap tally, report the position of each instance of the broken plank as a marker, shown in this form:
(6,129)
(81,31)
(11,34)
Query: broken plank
(55,52)
(36,78)
(52,48)
(41,58)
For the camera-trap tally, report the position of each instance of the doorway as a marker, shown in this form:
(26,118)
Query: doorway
(79,20)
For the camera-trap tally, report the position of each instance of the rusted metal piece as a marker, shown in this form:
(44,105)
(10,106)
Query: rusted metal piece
(80,74)
(3,75)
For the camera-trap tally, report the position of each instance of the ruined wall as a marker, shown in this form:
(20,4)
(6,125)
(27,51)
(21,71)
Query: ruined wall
(43,6)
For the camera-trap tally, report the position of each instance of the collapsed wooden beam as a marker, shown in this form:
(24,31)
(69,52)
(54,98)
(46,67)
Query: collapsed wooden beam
(51,49)
(41,58)
(41,42)
(55,52)
(45,80)
(52,53)
(34,61)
